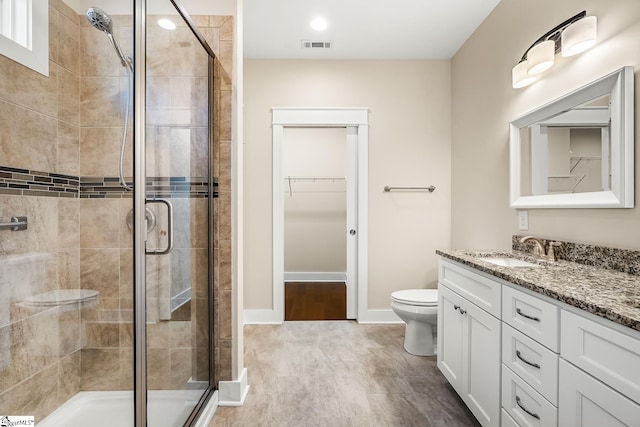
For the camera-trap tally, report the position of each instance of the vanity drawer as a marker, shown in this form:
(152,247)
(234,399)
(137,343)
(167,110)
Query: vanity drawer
(533,362)
(526,406)
(608,355)
(483,292)
(533,317)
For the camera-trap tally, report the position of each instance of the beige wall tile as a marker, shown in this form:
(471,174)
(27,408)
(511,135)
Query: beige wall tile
(100,102)
(68,44)
(227,30)
(69,269)
(68,149)
(28,138)
(97,58)
(69,376)
(36,396)
(102,334)
(99,270)
(68,96)
(53,33)
(100,369)
(99,227)
(69,330)
(68,219)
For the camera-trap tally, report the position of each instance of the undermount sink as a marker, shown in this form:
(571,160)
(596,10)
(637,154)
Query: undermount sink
(508,262)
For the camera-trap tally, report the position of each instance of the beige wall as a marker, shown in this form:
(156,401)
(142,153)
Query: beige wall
(484,103)
(409,145)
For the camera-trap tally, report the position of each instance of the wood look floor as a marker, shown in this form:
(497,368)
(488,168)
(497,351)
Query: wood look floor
(340,374)
(315,301)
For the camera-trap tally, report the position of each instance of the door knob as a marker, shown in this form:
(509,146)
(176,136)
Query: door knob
(352,232)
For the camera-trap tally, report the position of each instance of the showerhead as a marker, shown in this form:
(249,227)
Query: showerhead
(99,19)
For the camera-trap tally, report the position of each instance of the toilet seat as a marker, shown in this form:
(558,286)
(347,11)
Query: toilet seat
(419,297)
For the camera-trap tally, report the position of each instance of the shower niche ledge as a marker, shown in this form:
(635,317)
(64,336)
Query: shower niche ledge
(66,299)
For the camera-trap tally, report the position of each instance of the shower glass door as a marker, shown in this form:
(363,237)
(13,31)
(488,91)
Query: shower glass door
(178,211)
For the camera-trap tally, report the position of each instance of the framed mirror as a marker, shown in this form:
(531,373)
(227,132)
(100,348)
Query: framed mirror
(576,151)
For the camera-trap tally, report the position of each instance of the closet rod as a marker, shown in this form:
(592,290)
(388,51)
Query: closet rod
(430,188)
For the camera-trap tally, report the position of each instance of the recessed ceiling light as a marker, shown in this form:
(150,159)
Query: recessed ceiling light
(167,24)
(319,24)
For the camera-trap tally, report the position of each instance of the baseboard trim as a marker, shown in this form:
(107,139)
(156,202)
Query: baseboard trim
(315,276)
(233,393)
(262,317)
(269,317)
(209,411)
(379,316)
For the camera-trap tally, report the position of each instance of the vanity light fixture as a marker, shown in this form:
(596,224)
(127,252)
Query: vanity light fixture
(573,36)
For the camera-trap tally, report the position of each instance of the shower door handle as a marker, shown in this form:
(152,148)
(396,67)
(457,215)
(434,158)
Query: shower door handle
(169,247)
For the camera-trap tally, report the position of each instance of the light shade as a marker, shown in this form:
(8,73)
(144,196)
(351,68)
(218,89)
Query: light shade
(520,77)
(541,57)
(579,36)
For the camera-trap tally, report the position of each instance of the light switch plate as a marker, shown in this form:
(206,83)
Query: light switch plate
(523,220)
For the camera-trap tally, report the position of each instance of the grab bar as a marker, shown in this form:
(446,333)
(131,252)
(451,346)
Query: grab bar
(430,188)
(17,223)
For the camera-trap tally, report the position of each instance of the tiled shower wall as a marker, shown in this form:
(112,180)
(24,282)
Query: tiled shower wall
(39,131)
(54,130)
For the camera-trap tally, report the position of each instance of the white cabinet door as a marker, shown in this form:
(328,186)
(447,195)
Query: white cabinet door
(586,402)
(481,364)
(450,336)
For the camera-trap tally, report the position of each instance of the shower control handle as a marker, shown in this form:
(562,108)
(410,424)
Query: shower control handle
(169,247)
(352,232)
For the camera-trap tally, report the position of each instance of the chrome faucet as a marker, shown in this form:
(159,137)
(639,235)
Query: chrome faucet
(541,249)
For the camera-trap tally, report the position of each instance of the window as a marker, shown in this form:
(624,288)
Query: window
(24,33)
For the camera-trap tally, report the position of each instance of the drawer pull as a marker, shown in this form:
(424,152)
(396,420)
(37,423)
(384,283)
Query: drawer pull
(456,307)
(533,414)
(536,319)
(519,356)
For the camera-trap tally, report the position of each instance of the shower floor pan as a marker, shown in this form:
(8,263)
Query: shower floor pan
(166,408)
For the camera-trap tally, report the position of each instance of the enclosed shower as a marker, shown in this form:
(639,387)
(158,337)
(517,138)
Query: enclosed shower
(112,233)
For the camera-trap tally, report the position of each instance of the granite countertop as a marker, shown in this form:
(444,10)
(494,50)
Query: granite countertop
(606,293)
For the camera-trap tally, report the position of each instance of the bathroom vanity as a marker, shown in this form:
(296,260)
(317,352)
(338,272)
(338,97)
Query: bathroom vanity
(527,342)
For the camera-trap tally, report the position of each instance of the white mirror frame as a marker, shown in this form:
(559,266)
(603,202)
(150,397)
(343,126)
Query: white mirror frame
(620,85)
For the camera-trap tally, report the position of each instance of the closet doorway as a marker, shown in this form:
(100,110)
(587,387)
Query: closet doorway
(314,164)
(319,183)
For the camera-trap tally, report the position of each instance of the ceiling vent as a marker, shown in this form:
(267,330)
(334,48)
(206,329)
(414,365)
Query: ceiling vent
(307,44)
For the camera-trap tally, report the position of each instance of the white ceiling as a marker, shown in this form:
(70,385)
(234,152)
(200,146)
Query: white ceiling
(362,29)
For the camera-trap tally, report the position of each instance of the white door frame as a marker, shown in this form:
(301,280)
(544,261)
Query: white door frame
(356,122)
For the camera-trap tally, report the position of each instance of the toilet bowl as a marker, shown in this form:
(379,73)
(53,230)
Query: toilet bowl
(418,308)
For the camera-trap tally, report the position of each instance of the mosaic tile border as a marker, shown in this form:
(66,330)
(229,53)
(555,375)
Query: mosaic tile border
(25,182)
(622,260)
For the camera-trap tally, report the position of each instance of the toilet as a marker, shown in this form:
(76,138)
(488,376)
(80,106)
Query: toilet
(418,308)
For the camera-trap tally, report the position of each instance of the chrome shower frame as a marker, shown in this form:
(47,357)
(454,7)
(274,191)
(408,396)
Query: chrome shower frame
(139,212)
